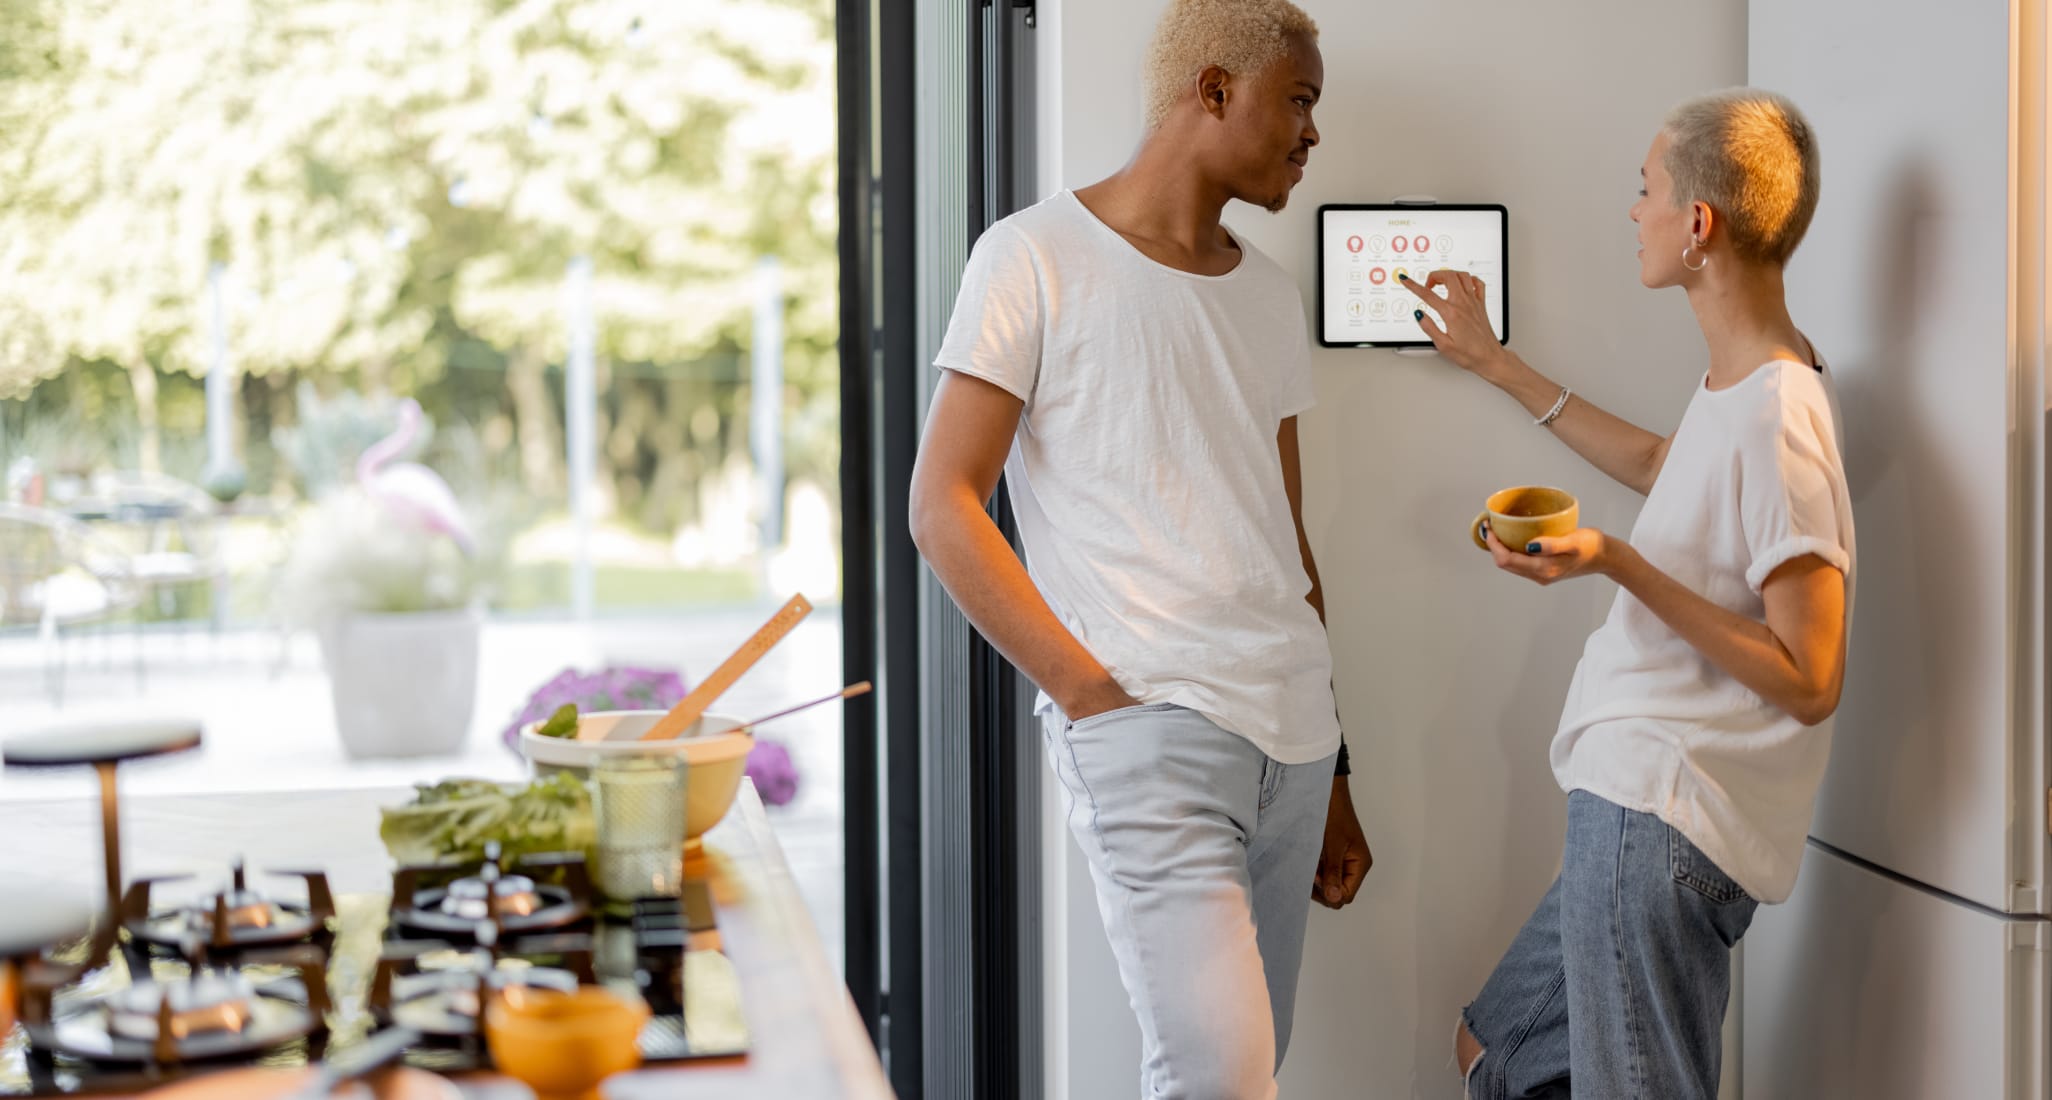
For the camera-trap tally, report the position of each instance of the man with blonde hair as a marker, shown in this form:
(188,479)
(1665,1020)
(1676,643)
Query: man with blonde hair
(1136,370)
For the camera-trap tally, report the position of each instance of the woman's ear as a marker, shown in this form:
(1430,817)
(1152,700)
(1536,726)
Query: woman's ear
(1705,221)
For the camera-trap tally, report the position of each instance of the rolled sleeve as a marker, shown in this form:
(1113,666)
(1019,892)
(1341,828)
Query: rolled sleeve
(1792,497)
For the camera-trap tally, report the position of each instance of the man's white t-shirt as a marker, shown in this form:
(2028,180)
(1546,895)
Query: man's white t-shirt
(1753,480)
(1145,475)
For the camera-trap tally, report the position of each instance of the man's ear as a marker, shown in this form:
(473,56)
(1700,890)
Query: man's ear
(1214,88)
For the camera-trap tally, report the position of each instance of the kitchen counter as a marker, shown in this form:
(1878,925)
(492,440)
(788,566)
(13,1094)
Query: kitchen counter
(805,1036)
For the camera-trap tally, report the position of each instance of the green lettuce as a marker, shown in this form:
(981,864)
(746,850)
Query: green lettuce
(563,723)
(456,818)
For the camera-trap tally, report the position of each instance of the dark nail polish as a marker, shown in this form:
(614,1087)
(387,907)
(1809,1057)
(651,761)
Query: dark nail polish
(1403,278)
(1417,315)
(1531,548)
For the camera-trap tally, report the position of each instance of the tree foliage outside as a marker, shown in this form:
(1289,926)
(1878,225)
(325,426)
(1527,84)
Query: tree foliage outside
(389,193)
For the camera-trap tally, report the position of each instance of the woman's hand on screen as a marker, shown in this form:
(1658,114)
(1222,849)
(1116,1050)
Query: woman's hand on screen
(1462,332)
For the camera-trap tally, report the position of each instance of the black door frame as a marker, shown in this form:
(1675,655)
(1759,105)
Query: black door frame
(1004,813)
(915,894)
(879,625)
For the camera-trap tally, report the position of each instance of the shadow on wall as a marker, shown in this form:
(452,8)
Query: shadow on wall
(1906,500)
(1901,489)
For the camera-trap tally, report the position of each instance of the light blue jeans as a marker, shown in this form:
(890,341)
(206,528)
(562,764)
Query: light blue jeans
(1202,849)
(1615,988)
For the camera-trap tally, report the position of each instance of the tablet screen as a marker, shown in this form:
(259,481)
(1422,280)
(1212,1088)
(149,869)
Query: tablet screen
(1362,249)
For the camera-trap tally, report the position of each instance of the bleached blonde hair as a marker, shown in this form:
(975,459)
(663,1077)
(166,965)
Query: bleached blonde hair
(1240,36)
(1752,157)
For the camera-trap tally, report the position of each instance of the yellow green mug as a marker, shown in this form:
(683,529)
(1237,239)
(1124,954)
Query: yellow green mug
(1525,513)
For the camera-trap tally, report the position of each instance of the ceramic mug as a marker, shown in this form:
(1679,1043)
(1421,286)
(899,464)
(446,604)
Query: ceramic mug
(1525,513)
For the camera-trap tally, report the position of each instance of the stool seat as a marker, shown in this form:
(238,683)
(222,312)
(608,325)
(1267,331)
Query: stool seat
(102,741)
(40,914)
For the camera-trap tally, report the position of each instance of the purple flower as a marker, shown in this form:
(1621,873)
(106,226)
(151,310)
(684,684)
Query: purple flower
(621,687)
(776,777)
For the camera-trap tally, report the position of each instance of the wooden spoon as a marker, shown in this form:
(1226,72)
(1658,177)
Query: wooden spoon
(689,709)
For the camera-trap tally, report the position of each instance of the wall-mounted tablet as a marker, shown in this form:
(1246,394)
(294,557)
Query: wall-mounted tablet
(1362,248)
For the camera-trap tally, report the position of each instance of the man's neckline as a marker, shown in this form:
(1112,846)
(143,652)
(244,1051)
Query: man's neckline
(1101,224)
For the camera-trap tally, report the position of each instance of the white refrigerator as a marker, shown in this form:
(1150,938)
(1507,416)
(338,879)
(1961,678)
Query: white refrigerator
(1915,958)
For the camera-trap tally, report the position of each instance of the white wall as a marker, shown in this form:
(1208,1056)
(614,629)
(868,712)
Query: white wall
(1450,676)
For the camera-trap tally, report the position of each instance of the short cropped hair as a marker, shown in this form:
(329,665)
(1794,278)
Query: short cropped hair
(1752,157)
(1240,36)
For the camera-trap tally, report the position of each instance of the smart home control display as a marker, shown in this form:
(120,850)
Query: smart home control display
(1362,249)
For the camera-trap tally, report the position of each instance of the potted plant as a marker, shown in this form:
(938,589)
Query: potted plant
(387,575)
(396,609)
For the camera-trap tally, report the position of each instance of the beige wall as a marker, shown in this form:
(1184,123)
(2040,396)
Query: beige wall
(1450,675)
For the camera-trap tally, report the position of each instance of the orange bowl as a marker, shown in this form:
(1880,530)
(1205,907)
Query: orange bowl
(562,1045)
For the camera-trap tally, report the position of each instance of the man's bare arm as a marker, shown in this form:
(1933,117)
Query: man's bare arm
(1344,857)
(969,432)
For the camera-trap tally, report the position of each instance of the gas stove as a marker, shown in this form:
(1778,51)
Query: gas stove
(208,1013)
(463,902)
(232,919)
(276,970)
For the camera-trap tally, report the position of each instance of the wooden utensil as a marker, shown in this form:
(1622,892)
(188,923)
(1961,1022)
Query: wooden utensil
(712,687)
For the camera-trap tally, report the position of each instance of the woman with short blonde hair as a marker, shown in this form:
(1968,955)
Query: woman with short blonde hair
(1697,728)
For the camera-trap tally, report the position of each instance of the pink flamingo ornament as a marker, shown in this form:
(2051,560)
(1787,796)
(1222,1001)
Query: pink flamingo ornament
(408,489)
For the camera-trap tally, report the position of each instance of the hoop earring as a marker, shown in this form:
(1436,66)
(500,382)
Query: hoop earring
(1686,249)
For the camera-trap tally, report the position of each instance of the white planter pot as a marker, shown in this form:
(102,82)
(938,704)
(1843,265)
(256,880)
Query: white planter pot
(403,684)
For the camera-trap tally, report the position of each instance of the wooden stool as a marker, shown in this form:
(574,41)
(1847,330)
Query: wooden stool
(104,745)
